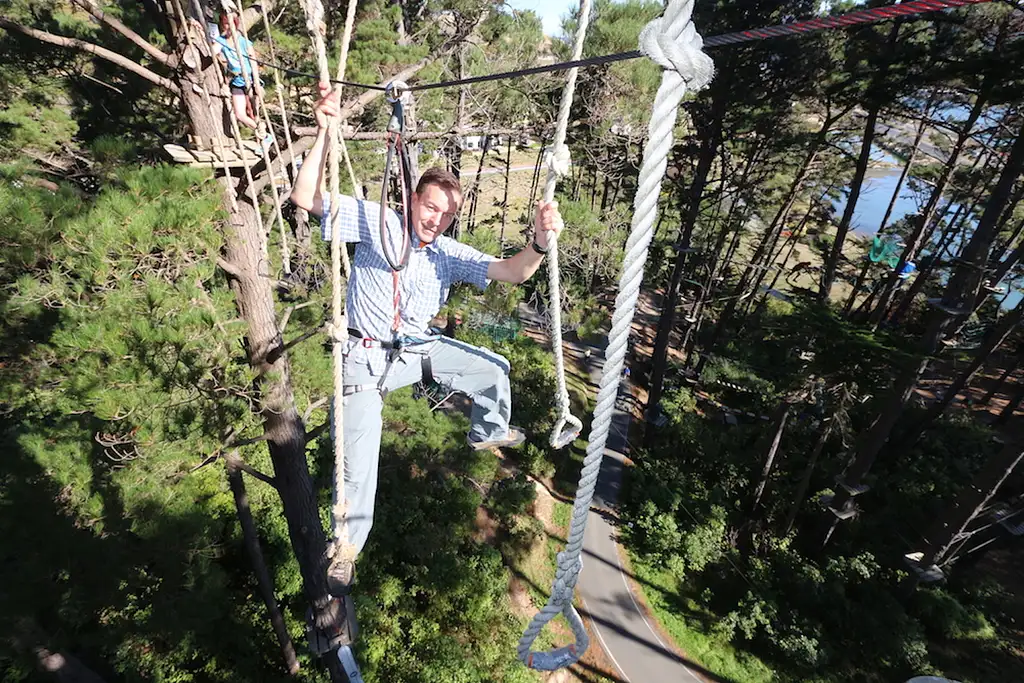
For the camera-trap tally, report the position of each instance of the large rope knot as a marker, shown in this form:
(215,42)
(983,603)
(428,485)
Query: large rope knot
(672,42)
(558,160)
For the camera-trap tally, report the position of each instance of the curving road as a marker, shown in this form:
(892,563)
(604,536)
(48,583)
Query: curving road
(631,642)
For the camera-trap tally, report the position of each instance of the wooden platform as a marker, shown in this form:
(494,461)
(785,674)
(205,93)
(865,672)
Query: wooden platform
(207,158)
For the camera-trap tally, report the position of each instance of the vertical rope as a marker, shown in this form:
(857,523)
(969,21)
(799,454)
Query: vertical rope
(261,112)
(236,133)
(342,549)
(672,41)
(279,91)
(558,163)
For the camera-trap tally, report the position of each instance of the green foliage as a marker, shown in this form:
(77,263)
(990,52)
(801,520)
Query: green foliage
(510,497)
(118,374)
(943,615)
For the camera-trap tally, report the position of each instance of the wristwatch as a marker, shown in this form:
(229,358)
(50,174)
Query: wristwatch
(537,248)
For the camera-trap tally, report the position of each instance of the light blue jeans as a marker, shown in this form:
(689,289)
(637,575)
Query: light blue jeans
(479,373)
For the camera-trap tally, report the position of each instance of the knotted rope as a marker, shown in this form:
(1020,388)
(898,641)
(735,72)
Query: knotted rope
(341,550)
(559,161)
(674,43)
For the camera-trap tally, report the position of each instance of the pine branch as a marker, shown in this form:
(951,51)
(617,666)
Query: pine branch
(91,48)
(230,269)
(233,460)
(115,24)
(317,432)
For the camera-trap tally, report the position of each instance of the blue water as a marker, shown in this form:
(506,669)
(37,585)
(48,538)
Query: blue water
(875,195)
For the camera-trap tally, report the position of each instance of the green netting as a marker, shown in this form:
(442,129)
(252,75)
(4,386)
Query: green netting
(498,327)
(885,249)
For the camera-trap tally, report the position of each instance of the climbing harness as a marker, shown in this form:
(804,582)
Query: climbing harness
(673,43)
(395,348)
(397,96)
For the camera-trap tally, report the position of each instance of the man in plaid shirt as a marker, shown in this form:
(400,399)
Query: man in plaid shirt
(436,263)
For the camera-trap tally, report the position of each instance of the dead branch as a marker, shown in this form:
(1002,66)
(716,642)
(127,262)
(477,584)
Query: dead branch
(93,49)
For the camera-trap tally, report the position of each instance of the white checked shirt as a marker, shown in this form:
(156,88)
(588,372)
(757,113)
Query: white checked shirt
(423,284)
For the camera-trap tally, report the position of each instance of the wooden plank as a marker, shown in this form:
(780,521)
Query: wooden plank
(209,159)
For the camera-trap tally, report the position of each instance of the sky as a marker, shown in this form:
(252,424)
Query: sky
(550,11)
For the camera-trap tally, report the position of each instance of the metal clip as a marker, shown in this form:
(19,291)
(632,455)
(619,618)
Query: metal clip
(397,94)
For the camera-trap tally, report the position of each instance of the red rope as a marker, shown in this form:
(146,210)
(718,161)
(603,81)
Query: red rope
(863,16)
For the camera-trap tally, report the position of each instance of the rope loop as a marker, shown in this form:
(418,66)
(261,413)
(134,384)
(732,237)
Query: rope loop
(673,43)
(565,431)
(562,589)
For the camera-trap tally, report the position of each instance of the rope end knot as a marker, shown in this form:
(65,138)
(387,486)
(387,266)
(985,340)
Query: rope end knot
(673,43)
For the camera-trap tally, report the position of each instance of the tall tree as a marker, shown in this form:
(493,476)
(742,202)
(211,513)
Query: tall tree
(959,293)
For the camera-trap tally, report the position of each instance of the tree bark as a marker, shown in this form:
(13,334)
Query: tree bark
(259,565)
(780,418)
(888,211)
(659,357)
(828,272)
(805,480)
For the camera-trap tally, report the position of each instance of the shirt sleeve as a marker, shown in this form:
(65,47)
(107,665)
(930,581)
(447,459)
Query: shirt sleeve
(356,218)
(467,264)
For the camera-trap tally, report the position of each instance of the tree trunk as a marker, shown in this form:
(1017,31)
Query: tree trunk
(962,287)
(259,565)
(780,418)
(828,272)
(504,198)
(914,241)
(969,503)
(956,224)
(659,357)
(284,430)
(805,480)
(888,210)
(475,192)
(1001,382)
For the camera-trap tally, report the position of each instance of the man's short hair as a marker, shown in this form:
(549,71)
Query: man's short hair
(440,177)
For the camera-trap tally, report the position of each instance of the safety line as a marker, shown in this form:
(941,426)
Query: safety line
(855,18)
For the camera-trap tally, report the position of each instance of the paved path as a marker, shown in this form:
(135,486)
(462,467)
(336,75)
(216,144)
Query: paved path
(630,641)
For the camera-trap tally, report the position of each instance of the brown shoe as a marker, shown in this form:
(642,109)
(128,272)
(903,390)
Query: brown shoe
(514,437)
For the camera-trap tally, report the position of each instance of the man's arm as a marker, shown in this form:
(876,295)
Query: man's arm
(519,268)
(306,192)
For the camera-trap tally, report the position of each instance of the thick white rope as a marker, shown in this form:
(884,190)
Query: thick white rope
(559,161)
(261,112)
(340,549)
(674,43)
(279,91)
